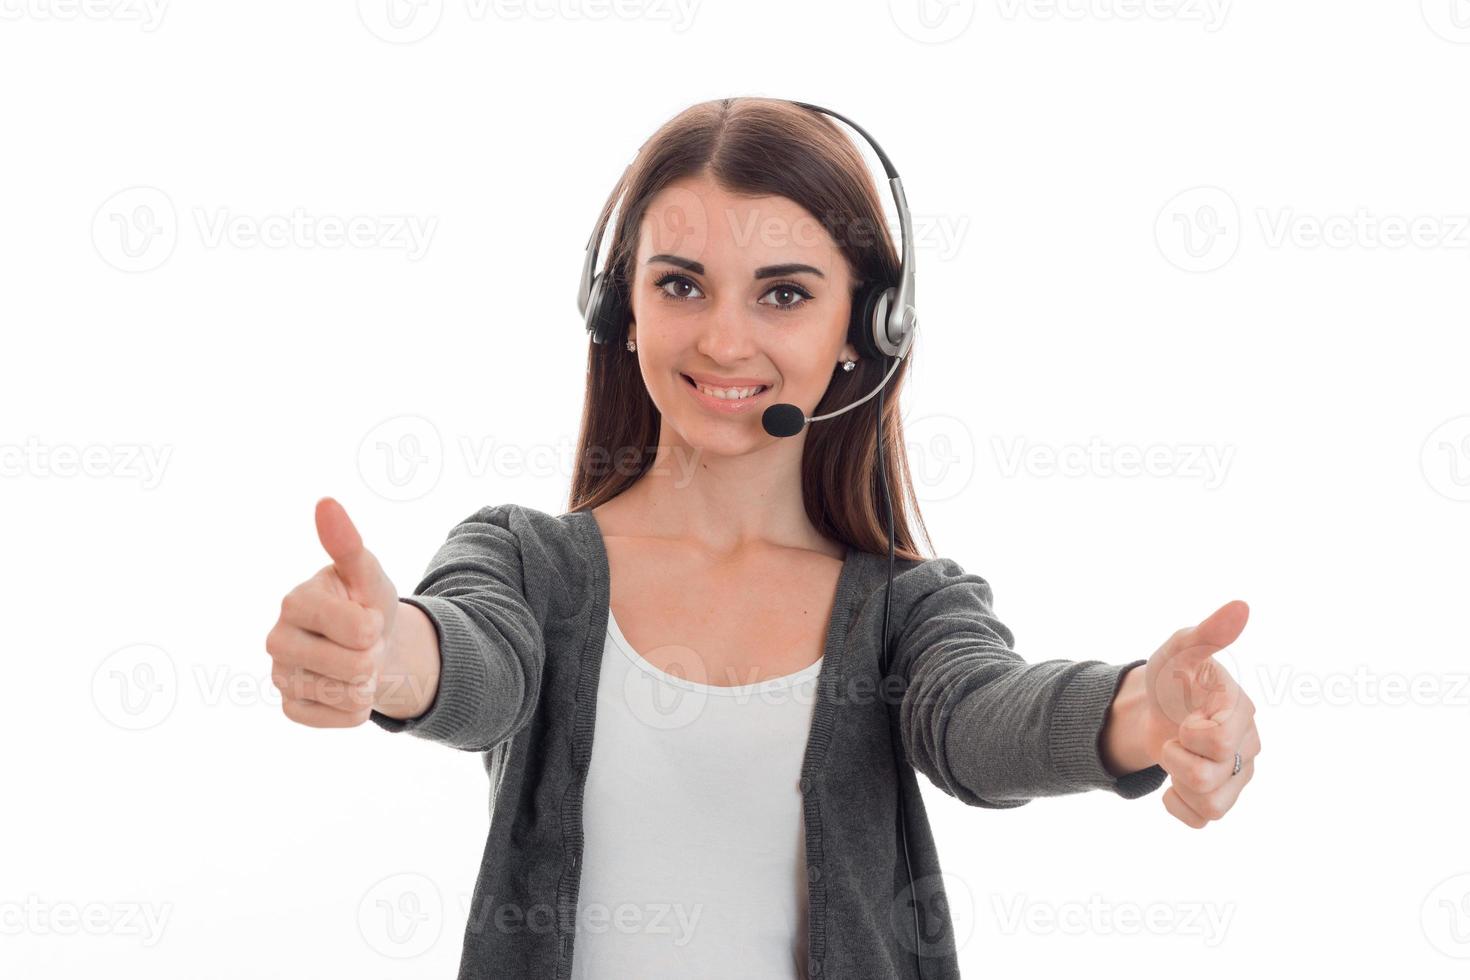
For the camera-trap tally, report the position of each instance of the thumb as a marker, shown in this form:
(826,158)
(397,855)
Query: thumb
(1215,632)
(355,565)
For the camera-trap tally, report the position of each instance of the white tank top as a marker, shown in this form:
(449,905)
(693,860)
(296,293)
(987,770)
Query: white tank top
(694,861)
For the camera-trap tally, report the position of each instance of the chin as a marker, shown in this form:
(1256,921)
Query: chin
(707,437)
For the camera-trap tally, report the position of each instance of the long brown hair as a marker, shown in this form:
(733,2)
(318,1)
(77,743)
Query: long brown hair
(761,147)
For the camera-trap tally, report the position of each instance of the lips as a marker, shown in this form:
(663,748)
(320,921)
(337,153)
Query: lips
(726,405)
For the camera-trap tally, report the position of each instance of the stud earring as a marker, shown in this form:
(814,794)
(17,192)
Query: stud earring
(848,365)
(632,344)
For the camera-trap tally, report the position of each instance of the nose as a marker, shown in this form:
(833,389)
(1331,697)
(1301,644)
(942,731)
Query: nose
(727,334)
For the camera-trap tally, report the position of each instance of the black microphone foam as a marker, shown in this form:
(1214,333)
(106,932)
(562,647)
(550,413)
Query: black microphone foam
(783,419)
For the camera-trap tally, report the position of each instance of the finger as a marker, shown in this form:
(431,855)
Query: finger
(301,684)
(292,646)
(1175,804)
(340,620)
(1216,803)
(1177,693)
(1216,737)
(321,715)
(1193,772)
(1191,645)
(355,565)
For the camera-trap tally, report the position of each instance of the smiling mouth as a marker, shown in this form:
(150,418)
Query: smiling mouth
(727,394)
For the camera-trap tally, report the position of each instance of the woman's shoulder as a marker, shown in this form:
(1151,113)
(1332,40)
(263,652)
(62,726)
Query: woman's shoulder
(551,547)
(523,519)
(933,582)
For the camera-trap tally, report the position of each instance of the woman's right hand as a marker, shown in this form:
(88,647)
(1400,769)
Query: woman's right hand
(330,642)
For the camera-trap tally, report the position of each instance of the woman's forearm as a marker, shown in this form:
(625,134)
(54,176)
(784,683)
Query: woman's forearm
(409,677)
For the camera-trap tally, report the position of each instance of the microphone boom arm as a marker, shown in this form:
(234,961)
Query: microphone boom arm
(896,360)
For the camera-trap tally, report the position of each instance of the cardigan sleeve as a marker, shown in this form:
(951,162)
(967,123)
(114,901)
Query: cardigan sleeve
(491,639)
(980,722)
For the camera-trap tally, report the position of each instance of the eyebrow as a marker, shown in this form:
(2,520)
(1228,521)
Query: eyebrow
(764,272)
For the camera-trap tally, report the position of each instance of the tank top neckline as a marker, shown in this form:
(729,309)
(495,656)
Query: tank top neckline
(769,684)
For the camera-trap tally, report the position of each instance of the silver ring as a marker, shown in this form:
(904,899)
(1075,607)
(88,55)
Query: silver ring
(1237,764)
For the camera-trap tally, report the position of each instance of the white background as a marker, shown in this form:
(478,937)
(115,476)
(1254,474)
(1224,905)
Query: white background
(1186,226)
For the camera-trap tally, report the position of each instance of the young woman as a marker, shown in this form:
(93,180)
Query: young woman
(703,692)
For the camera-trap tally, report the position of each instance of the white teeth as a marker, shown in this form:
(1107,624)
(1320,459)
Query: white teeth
(730,394)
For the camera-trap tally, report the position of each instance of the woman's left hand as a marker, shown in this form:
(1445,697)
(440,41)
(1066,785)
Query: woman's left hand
(1196,718)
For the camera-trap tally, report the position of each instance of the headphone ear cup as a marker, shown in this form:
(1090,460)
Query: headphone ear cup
(862,328)
(606,311)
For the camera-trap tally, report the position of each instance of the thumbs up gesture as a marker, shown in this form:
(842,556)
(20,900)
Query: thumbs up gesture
(330,641)
(1196,719)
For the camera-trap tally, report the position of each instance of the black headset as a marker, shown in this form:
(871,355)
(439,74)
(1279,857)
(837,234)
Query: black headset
(883,324)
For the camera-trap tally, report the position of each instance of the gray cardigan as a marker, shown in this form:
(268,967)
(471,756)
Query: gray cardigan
(519,599)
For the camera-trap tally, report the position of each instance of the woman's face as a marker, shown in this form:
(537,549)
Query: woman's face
(735,292)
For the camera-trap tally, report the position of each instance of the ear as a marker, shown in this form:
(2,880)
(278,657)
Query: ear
(849,352)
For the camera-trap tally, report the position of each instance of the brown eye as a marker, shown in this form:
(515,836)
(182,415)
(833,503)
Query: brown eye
(787,290)
(676,280)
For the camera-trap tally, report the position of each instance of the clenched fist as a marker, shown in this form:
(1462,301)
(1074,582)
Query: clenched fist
(329,645)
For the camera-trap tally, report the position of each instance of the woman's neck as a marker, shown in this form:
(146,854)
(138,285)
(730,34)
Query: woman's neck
(722,503)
